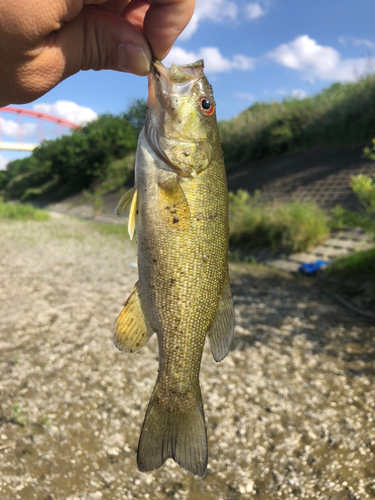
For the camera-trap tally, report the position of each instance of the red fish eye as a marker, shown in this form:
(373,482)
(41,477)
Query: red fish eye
(207,107)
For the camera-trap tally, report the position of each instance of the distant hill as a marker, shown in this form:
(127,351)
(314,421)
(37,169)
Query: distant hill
(340,115)
(99,158)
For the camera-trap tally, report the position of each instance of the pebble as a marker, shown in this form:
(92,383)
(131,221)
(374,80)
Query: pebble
(289,411)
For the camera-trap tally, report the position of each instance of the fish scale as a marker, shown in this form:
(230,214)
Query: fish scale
(179,207)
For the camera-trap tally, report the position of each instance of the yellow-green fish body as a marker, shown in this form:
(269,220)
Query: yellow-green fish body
(180,210)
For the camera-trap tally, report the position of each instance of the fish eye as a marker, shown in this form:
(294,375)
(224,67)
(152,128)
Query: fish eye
(206,106)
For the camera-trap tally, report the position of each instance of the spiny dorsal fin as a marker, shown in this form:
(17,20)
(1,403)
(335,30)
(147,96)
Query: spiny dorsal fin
(132,329)
(220,333)
(127,207)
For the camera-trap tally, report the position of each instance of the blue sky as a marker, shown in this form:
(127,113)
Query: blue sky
(253,50)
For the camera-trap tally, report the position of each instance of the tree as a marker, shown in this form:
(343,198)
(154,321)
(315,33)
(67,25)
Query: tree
(75,161)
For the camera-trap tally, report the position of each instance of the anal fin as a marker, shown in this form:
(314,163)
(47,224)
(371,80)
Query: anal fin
(132,329)
(220,333)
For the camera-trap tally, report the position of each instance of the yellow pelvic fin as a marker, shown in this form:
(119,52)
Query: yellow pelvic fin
(173,205)
(132,329)
(220,333)
(132,215)
(123,206)
(127,207)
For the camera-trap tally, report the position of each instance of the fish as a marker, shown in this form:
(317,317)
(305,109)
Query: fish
(179,209)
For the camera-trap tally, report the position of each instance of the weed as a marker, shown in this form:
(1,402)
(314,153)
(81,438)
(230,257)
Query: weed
(21,212)
(364,188)
(358,265)
(110,229)
(369,151)
(341,217)
(290,227)
(46,421)
(15,361)
(17,411)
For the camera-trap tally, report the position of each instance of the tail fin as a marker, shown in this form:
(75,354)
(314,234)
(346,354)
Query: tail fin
(176,434)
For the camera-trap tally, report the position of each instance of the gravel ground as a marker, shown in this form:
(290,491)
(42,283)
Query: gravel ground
(290,411)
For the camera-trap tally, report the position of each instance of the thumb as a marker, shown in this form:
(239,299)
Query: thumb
(100,40)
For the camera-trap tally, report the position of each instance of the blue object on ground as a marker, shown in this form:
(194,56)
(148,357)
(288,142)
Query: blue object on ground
(311,268)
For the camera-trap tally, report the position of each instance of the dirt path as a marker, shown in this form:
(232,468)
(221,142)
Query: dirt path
(290,411)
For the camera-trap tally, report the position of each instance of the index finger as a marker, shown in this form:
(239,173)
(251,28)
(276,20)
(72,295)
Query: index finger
(163,23)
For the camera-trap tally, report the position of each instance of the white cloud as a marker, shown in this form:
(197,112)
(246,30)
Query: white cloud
(355,42)
(254,10)
(214,61)
(218,11)
(68,110)
(244,95)
(299,94)
(317,62)
(296,93)
(3,162)
(11,128)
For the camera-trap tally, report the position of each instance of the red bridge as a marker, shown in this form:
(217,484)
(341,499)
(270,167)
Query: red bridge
(61,123)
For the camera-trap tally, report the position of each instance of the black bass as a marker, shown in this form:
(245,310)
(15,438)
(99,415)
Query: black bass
(179,207)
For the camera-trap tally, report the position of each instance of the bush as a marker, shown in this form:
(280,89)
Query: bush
(291,227)
(357,265)
(73,162)
(369,151)
(364,188)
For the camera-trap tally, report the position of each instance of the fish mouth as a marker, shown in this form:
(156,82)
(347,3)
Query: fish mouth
(177,80)
(178,74)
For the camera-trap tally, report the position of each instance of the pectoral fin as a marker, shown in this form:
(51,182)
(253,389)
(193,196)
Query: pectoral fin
(123,206)
(127,207)
(221,332)
(132,329)
(173,205)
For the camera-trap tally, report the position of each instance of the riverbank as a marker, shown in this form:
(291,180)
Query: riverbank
(290,411)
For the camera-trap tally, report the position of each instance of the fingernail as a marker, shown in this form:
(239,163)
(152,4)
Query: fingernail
(133,59)
(165,54)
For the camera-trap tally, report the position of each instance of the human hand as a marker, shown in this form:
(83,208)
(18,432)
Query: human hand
(42,42)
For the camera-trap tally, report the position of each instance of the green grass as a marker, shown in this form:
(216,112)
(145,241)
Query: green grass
(120,230)
(285,227)
(342,114)
(22,212)
(358,265)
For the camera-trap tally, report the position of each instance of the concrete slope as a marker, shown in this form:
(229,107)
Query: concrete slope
(321,175)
